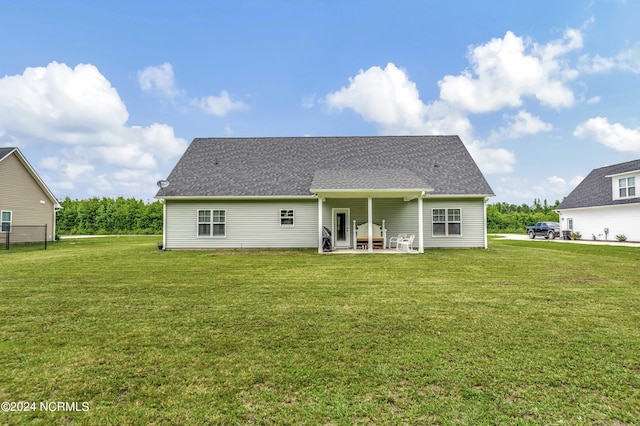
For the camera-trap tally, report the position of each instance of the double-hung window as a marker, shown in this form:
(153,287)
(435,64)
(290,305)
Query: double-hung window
(5,224)
(627,187)
(286,217)
(212,223)
(446,222)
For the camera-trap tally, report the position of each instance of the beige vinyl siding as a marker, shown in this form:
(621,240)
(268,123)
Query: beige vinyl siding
(249,224)
(21,194)
(472,224)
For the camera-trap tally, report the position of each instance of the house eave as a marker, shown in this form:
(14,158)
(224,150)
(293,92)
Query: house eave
(35,176)
(371,193)
(606,206)
(630,172)
(232,197)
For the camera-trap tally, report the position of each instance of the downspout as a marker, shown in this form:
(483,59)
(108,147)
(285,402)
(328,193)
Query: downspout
(164,224)
(484,219)
(319,225)
(420,224)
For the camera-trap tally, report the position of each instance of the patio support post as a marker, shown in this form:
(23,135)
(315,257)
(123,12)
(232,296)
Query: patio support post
(420,226)
(319,224)
(370,221)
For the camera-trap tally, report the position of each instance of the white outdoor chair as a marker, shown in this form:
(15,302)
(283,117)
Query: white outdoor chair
(406,244)
(393,241)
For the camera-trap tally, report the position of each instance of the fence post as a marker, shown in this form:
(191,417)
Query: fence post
(45,236)
(8,235)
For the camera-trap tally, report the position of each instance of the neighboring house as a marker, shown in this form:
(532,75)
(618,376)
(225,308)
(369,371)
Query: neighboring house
(25,200)
(605,204)
(280,192)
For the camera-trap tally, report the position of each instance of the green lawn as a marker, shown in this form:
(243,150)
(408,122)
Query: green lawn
(527,332)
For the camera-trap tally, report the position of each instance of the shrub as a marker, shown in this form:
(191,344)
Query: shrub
(621,237)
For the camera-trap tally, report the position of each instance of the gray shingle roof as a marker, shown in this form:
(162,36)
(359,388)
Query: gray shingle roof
(4,152)
(596,189)
(368,179)
(286,166)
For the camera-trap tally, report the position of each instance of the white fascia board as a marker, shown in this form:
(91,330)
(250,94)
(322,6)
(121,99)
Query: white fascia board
(453,196)
(231,197)
(366,193)
(608,206)
(631,172)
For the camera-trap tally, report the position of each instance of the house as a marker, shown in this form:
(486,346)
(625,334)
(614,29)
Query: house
(605,204)
(280,192)
(26,204)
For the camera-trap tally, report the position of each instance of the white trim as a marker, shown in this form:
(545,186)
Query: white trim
(319,225)
(420,226)
(447,222)
(624,173)
(235,198)
(634,204)
(370,225)
(10,220)
(293,220)
(212,223)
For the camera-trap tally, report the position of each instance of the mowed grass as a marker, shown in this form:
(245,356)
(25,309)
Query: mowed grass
(527,332)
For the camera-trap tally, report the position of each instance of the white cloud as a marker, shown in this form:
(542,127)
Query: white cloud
(625,60)
(593,100)
(521,124)
(492,160)
(614,136)
(159,79)
(388,98)
(79,108)
(219,105)
(505,70)
(384,96)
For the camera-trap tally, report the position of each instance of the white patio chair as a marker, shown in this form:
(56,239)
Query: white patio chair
(406,244)
(396,240)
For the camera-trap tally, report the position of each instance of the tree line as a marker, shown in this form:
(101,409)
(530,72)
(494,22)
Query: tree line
(109,216)
(132,216)
(511,218)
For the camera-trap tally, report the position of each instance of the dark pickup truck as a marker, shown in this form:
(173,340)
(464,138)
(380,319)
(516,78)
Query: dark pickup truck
(549,230)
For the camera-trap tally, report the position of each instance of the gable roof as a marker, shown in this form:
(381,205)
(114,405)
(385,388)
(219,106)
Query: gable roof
(595,190)
(293,166)
(5,152)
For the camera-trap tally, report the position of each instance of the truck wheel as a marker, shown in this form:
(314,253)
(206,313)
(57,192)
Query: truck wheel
(532,235)
(551,235)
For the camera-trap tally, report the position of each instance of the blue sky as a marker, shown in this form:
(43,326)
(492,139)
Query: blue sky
(103,97)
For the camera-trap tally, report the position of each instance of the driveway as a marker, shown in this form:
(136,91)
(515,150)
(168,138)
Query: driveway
(607,242)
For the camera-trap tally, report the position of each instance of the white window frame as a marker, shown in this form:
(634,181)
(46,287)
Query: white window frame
(285,216)
(211,223)
(628,187)
(3,222)
(446,220)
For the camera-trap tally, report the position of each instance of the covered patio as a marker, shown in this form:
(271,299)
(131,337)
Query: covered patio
(346,188)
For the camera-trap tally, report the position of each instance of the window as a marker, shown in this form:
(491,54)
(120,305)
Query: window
(5,225)
(286,217)
(627,187)
(446,222)
(570,224)
(212,223)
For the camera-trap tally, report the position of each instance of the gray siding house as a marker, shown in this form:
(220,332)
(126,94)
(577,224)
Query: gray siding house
(25,200)
(281,192)
(605,204)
